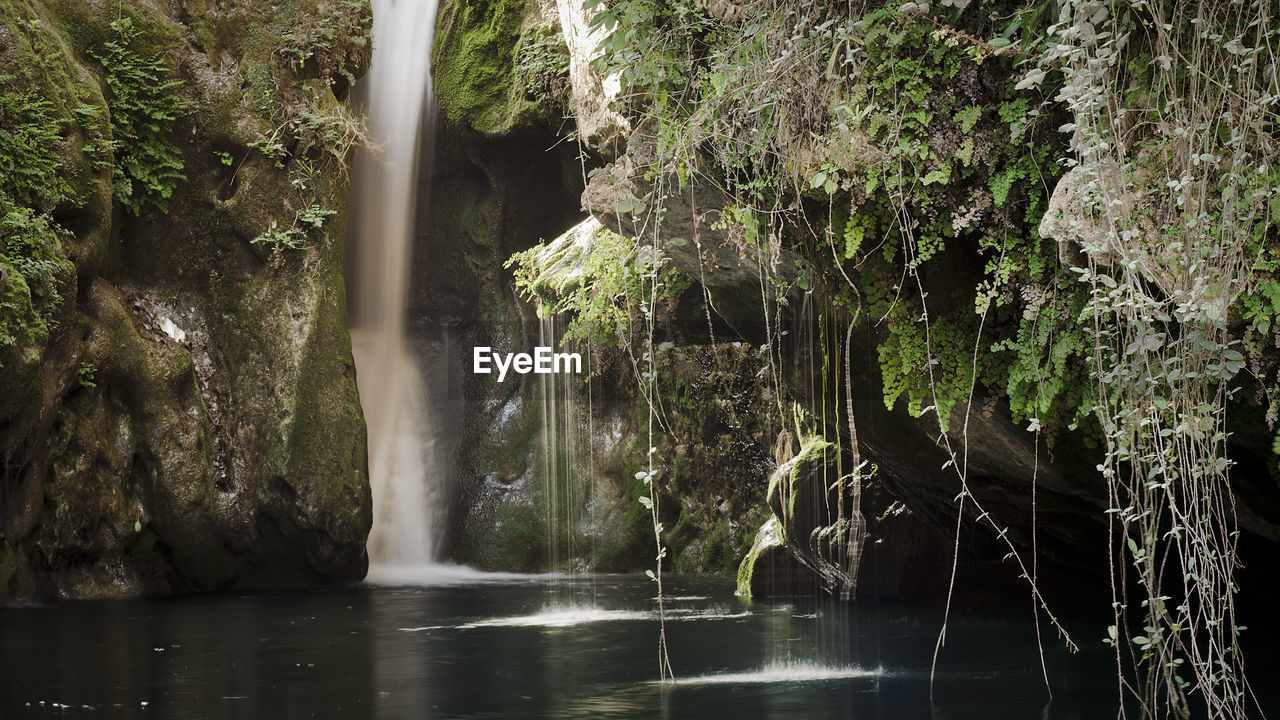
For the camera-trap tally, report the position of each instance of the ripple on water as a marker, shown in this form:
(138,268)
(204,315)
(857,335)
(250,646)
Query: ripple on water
(562,616)
(784,672)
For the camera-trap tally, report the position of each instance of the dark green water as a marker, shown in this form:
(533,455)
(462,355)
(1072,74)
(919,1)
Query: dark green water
(531,648)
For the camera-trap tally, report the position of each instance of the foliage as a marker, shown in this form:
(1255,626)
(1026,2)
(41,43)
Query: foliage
(335,46)
(33,274)
(31,244)
(85,375)
(145,101)
(610,304)
(313,141)
(1175,151)
(293,237)
(542,66)
(918,142)
(314,136)
(29,141)
(30,187)
(908,151)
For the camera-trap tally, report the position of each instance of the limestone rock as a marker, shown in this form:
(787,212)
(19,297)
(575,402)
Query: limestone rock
(598,123)
(696,233)
(1106,215)
(189,419)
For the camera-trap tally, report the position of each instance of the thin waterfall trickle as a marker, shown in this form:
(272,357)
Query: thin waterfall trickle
(562,464)
(559,453)
(407,460)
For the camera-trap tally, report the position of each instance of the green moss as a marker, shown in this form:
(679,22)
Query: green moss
(628,546)
(495,70)
(517,541)
(328,464)
(23,337)
(790,480)
(768,537)
(475,66)
(701,549)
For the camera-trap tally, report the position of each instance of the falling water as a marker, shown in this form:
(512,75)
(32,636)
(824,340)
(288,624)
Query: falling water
(568,480)
(406,460)
(561,463)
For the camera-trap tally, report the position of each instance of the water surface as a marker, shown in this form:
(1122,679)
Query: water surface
(507,646)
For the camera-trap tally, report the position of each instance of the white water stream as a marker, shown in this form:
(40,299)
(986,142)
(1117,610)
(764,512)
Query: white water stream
(406,454)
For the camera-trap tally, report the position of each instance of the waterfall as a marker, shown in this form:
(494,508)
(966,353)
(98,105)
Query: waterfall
(560,462)
(407,460)
(568,476)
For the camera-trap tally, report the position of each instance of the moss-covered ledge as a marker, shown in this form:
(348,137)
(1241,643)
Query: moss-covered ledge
(508,66)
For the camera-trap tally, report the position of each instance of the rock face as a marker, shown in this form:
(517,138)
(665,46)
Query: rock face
(501,67)
(720,413)
(186,417)
(597,122)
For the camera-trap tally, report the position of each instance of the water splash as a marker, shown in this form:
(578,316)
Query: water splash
(559,616)
(784,672)
(442,575)
(406,459)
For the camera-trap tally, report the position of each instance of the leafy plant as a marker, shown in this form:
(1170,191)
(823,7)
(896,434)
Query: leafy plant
(335,44)
(609,303)
(145,102)
(293,237)
(1184,239)
(32,245)
(29,142)
(85,375)
(542,67)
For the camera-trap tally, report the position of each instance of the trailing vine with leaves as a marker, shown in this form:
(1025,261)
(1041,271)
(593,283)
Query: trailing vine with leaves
(1174,150)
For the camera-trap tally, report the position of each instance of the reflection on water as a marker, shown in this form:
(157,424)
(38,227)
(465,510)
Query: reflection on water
(480,646)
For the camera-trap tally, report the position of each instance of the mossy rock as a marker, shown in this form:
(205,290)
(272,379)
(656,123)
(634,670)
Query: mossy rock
(500,66)
(23,338)
(768,538)
(228,449)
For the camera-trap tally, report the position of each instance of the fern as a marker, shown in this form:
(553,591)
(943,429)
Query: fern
(144,102)
(29,142)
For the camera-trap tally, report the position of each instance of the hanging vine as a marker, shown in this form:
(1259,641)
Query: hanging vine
(1174,107)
